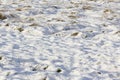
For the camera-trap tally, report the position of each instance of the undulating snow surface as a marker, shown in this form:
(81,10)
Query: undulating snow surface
(59,40)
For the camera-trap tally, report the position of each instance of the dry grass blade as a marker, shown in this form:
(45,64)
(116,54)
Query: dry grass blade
(20,29)
(18,9)
(74,34)
(2,17)
(34,24)
(117,32)
(86,7)
(72,16)
(0,57)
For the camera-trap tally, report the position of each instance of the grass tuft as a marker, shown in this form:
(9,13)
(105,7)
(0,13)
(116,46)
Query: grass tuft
(20,29)
(74,34)
(59,70)
(2,17)
(0,57)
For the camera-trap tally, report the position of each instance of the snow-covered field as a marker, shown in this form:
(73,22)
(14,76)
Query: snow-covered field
(59,40)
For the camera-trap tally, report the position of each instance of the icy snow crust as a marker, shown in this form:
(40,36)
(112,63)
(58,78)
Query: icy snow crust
(60,40)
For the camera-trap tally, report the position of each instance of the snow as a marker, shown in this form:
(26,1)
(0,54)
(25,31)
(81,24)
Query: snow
(59,40)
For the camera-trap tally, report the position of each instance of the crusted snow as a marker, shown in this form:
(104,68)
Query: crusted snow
(60,40)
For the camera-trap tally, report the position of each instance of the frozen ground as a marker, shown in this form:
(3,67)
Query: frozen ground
(60,40)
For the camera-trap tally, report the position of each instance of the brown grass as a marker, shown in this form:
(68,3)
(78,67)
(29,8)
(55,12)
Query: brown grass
(117,32)
(108,11)
(86,7)
(74,34)
(34,24)
(20,29)
(2,17)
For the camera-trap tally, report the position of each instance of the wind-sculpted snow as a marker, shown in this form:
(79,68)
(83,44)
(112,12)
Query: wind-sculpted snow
(60,40)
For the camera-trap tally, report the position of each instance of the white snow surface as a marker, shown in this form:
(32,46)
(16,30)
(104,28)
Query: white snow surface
(60,40)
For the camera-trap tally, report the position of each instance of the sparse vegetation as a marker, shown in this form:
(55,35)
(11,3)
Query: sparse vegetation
(44,78)
(0,57)
(74,34)
(45,67)
(34,24)
(108,11)
(86,7)
(59,70)
(7,24)
(34,69)
(72,16)
(99,72)
(18,9)
(20,29)
(2,16)
(38,67)
(117,32)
